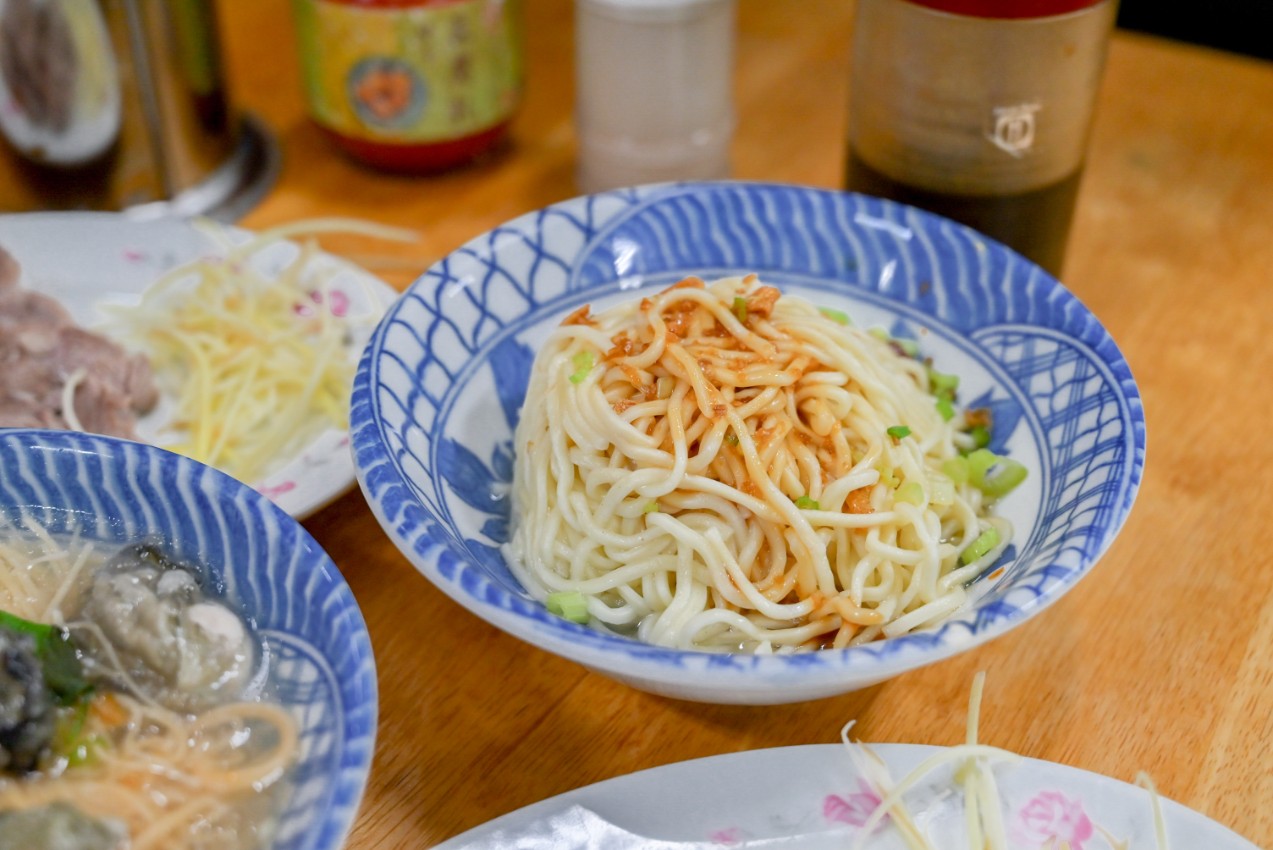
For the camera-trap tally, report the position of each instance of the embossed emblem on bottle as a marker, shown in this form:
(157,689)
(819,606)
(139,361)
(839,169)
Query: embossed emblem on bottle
(1014,128)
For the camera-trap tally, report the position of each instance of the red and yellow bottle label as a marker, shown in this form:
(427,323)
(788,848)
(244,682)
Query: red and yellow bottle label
(418,74)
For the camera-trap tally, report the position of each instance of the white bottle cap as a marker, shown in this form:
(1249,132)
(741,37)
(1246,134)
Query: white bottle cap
(649,10)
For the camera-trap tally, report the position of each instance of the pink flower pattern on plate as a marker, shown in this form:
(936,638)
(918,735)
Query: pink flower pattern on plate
(853,809)
(271,491)
(337,304)
(1050,816)
(729,837)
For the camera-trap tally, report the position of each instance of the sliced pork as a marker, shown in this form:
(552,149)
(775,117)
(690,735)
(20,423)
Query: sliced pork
(44,357)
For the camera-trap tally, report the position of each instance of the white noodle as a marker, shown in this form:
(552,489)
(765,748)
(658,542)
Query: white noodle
(738,441)
(69,386)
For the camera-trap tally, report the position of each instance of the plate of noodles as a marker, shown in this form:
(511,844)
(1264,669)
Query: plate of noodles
(855,796)
(746,442)
(181,665)
(234,348)
(822,797)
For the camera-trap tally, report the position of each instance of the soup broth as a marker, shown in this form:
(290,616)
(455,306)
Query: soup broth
(145,727)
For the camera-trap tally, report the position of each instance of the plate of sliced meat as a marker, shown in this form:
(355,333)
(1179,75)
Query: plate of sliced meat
(57,374)
(232,347)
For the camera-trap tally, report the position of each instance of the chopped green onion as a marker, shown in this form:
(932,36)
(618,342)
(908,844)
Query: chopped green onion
(651,508)
(71,741)
(583,363)
(942,384)
(979,463)
(956,469)
(740,308)
(85,751)
(911,492)
(897,432)
(807,504)
(994,475)
(731,438)
(909,347)
(946,408)
(569,604)
(941,490)
(980,436)
(838,316)
(979,548)
(1003,478)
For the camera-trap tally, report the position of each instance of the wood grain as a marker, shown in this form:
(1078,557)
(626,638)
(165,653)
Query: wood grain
(1158,661)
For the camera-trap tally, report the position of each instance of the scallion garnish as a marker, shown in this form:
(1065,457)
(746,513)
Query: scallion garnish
(942,490)
(942,384)
(1003,477)
(946,408)
(980,547)
(838,316)
(651,508)
(911,492)
(994,475)
(583,363)
(569,604)
(979,462)
(980,436)
(897,432)
(956,469)
(906,347)
(805,503)
(740,308)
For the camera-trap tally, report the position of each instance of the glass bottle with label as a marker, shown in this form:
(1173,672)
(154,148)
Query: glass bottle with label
(412,85)
(978,110)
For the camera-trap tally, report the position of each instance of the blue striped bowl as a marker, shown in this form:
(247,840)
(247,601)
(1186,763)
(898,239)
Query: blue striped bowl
(264,563)
(440,384)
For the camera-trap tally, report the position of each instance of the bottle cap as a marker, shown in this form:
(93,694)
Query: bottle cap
(650,10)
(1015,9)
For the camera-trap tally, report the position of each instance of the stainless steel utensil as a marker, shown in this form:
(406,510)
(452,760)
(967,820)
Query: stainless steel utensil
(121,105)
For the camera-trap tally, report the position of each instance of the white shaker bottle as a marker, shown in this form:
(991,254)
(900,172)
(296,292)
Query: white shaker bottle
(654,91)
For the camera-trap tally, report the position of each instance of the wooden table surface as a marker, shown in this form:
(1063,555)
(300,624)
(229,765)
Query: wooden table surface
(1160,660)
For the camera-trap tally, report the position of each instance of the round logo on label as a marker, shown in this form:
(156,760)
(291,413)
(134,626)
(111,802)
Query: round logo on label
(1014,128)
(385,92)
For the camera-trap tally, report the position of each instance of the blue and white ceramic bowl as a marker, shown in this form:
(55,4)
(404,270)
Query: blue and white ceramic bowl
(268,568)
(438,390)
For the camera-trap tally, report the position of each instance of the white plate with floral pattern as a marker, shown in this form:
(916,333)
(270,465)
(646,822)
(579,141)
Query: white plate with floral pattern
(88,260)
(813,798)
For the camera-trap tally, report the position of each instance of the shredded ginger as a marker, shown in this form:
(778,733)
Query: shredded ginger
(974,776)
(258,365)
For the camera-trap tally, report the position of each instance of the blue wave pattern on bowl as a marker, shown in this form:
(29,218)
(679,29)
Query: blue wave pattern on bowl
(1062,376)
(261,560)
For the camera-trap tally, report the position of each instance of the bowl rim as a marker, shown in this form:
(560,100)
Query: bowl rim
(397,510)
(359,695)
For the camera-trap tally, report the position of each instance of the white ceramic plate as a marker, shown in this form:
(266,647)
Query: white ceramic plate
(88,260)
(812,798)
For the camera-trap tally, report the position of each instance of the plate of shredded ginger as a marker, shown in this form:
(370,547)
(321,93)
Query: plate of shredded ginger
(857,796)
(235,348)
